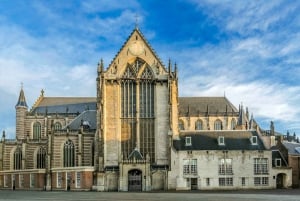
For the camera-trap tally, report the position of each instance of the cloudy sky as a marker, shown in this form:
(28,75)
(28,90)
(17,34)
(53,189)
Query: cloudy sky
(248,50)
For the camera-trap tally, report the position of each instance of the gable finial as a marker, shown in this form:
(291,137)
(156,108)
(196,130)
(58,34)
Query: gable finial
(136,21)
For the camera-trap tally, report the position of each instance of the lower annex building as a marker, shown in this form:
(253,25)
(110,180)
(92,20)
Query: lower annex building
(137,135)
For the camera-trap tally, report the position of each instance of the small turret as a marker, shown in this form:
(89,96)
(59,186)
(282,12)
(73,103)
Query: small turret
(21,110)
(21,101)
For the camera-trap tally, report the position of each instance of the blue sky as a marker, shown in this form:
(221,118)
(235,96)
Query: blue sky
(249,50)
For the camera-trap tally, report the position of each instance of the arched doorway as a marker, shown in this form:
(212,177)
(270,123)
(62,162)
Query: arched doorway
(135,180)
(280,180)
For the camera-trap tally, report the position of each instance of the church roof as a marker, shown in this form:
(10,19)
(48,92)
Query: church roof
(64,105)
(21,101)
(208,140)
(87,118)
(193,106)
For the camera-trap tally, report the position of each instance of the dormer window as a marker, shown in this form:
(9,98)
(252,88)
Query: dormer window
(278,162)
(188,141)
(253,140)
(221,140)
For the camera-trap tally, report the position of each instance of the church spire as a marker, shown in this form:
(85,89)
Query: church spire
(21,101)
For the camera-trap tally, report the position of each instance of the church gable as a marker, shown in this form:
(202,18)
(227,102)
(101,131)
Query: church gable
(137,54)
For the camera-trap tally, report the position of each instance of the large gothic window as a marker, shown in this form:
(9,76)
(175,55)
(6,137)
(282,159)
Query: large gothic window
(18,158)
(41,158)
(37,130)
(69,154)
(146,91)
(138,96)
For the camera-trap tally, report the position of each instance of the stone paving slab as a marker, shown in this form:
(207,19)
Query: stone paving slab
(263,195)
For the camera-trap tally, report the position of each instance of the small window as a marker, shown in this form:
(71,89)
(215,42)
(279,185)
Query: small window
(254,140)
(78,179)
(221,140)
(243,181)
(278,162)
(32,180)
(207,182)
(181,125)
(59,180)
(188,141)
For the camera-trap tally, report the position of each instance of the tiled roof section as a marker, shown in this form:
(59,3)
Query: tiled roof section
(293,147)
(63,105)
(193,106)
(87,118)
(21,101)
(208,140)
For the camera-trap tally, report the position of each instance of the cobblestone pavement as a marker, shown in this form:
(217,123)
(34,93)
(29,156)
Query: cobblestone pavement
(257,195)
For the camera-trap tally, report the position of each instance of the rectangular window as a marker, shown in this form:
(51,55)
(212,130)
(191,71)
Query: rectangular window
(225,166)
(5,181)
(243,181)
(207,182)
(278,162)
(261,166)
(32,180)
(188,141)
(228,181)
(254,140)
(261,181)
(21,180)
(189,166)
(221,140)
(59,180)
(78,179)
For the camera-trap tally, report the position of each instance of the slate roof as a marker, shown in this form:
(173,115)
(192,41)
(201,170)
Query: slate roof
(292,147)
(21,100)
(63,105)
(194,106)
(87,118)
(276,154)
(208,140)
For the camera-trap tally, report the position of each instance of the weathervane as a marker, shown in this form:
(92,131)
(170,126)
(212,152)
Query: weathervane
(136,20)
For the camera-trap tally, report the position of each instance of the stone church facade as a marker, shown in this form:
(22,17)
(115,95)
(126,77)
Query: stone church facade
(136,135)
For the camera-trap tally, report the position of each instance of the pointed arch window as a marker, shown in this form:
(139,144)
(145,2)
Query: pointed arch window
(198,125)
(138,95)
(181,125)
(18,158)
(37,130)
(41,158)
(69,154)
(218,125)
(57,126)
(233,124)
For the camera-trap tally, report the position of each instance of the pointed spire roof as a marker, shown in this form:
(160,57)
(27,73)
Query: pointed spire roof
(21,101)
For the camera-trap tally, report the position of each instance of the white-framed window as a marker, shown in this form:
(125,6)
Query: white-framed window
(261,181)
(261,166)
(254,140)
(278,162)
(189,166)
(58,179)
(188,141)
(221,140)
(21,180)
(78,179)
(225,166)
(225,181)
(32,180)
